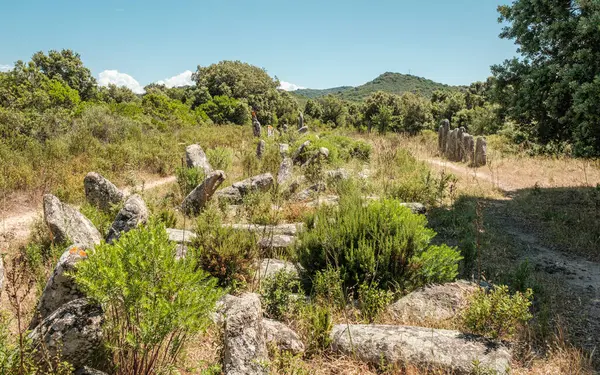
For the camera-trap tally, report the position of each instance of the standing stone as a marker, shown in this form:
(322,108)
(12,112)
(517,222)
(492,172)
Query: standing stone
(256,128)
(100,192)
(445,131)
(260,149)
(422,347)
(197,198)
(459,144)
(300,121)
(480,152)
(284,148)
(303,130)
(60,288)
(451,145)
(245,347)
(68,224)
(469,147)
(133,213)
(73,332)
(285,171)
(196,158)
(440,138)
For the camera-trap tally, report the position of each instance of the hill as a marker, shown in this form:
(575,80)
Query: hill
(395,83)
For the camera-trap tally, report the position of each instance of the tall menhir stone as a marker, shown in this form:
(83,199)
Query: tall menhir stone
(469,148)
(196,158)
(443,135)
(480,152)
(300,120)
(256,128)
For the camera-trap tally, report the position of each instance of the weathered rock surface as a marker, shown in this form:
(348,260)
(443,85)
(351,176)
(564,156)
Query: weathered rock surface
(68,224)
(256,128)
(133,213)
(423,347)
(268,267)
(284,148)
(229,194)
(282,336)
(288,229)
(303,130)
(197,199)
(180,235)
(276,241)
(100,192)
(415,207)
(469,148)
(434,303)
(480,152)
(285,171)
(443,135)
(89,371)
(60,288)
(310,191)
(262,182)
(260,148)
(73,331)
(300,120)
(339,174)
(196,158)
(245,348)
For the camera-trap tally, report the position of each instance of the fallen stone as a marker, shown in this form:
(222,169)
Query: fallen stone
(416,208)
(434,302)
(180,235)
(262,182)
(268,267)
(73,332)
(100,192)
(229,194)
(60,288)
(245,348)
(287,229)
(285,171)
(310,191)
(282,336)
(89,371)
(133,213)
(423,347)
(303,130)
(276,241)
(339,174)
(197,199)
(67,224)
(196,158)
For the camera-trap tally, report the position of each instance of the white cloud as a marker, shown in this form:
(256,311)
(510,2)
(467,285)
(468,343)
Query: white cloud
(5,68)
(287,86)
(120,79)
(183,79)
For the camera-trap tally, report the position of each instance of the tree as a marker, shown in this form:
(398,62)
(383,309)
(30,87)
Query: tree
(313,109)
(446,104)
(334,111)
(550,88)
(66,66)
(415,112)
(117,94)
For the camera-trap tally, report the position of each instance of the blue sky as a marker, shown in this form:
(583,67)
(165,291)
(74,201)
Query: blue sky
(309,43)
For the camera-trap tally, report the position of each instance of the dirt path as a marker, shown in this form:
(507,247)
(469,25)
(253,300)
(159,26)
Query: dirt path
(15,224)
(476,174)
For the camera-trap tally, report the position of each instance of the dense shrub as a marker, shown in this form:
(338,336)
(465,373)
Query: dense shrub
(380,242)
(280,295)
(373,300)
(497,314)
(153,302)
(188,179)
(227,254)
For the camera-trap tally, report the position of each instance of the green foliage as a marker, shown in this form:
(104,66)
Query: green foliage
(373,300)
(328,288)
(369,242)
(220,158)
(222,109)
(102,220)
(497,314)
(227,254)
(188,179)
(318,325)
(153,302)
(280,295)
(436,265)
(258,208)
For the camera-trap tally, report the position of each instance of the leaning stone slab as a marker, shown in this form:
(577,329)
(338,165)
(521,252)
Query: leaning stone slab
(68,224)
(434,303)
(100,192)
(299,156)
(423,347)
(73,332)
(60,288)
(197,199)
(196,158)
(180,235)
(245,347)
(303,130)
(282,336)
(133,213)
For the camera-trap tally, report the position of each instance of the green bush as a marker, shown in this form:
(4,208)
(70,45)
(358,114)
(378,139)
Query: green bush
(153,302)
(318,324)
(373,301)
(497,314)
(188,179)
(229,255)
(328,288)
(381,242)
(220,158)
(280,294)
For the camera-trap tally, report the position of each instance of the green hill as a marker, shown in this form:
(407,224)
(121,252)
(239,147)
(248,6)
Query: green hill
(396,83)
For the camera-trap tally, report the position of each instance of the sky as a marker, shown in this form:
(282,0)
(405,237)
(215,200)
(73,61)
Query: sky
(309,43)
